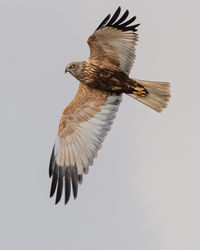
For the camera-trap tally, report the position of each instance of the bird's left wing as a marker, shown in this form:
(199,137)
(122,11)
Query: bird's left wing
(114,41)
(83,126)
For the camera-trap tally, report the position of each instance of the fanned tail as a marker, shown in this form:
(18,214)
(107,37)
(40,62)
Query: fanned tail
(158,94)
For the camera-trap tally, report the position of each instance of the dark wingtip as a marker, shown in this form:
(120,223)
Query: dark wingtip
(133,27)
(54,181)
(51,163)
(80,179)
(123,17)
(128,22)
(105,20)
(74,174)
(114,17)
(67,185)
(60,185)
(118,24)
(71,177)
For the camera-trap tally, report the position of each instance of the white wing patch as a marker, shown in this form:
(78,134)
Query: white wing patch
(81,147)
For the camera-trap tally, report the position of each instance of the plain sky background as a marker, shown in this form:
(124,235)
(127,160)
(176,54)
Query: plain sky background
(143,190)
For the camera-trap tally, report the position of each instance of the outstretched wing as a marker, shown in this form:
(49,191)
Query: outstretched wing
(83,126)
(114,41)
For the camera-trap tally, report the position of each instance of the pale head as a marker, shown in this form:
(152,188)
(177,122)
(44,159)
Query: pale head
(74,68)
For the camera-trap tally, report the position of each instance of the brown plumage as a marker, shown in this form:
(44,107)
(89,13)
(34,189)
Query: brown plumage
(104,77)
(111,79)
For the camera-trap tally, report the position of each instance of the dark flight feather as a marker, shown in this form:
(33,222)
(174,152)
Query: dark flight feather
(104,22)
(80,179)
(67,184)
(114,17)
(74,174)
(52,163)
(60,185)
(128,22)
(123,17)
(133,27)
(71,177)
(119,24)
(54,180)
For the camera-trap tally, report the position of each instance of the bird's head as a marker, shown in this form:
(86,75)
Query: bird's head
(74,68)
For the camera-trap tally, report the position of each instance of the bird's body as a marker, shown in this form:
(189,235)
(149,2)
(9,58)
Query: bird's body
(109,79)
(104,77)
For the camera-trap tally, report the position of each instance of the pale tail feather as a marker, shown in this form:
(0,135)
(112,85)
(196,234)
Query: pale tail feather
(158,94)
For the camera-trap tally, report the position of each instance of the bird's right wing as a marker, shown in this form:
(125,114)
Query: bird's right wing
(114,41)
(83,126)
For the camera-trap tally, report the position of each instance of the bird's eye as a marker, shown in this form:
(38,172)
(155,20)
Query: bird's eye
(72,66)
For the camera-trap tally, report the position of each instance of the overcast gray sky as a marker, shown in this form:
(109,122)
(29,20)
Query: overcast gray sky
(142,192)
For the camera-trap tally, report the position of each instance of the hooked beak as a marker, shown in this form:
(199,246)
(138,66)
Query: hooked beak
(66,70)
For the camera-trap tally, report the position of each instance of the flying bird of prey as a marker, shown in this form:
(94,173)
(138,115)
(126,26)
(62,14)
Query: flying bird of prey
(103,78)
